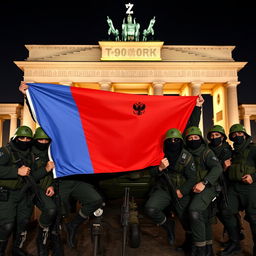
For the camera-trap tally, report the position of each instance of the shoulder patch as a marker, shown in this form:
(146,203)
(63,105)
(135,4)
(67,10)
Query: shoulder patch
(215,158)
(184,155)
(183,158)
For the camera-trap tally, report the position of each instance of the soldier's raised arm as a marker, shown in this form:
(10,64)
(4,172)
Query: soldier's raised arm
(196,113)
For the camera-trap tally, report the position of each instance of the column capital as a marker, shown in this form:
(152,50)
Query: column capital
(196,87)
(105,85)
(158,84)
(232,83)
(13,115)
(68,83)
(196,83)
(158,87)
(247,116)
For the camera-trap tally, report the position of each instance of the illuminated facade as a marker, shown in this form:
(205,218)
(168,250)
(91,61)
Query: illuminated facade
(140,67)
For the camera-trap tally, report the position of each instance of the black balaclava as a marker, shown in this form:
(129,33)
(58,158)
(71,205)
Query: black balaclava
(22,145)
(172,150)
(41,146)
(238,140)
(215,142)
(194,144)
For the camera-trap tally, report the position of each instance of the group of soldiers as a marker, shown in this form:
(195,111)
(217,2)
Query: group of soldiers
(197,180)
(203,179)
(26,180)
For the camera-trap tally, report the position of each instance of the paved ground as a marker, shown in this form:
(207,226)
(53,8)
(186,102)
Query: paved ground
(153,239)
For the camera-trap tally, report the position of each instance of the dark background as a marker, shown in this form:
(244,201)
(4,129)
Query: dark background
(177,23)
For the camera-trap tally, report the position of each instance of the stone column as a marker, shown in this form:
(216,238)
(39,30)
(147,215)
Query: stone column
(247,124)
(105,85)
(196,87)
(232,104)
(1,131)
(13,124)
(158,88)
(195,91)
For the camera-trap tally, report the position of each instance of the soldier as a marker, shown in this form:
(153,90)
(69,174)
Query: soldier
(208,170)
(218,144)
(16,163)
(242,187)
(223,151)
(72,187)
(46,204)
(179,166)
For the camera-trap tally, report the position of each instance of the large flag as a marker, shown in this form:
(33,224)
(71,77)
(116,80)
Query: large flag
(96,131)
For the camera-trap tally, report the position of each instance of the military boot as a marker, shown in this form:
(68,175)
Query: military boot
(41,241)
(198,250)
(18,244)
(169,227)
(233,245)
(209,250)
(72,228)
(186,246)
(3,245)
(56,244)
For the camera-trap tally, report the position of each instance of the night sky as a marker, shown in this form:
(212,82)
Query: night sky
(177,23)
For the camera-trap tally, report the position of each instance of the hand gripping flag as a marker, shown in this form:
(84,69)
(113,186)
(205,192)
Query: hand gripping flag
(96,131)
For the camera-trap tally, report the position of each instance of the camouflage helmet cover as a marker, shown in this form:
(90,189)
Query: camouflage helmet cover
(216,128)
(40,134)
(173,133)
(23,131)
(193,130)
(237,128)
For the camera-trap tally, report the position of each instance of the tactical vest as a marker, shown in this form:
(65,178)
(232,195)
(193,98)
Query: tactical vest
(14,159)
(239,166)
(177,175)
(41,161)
(201,169)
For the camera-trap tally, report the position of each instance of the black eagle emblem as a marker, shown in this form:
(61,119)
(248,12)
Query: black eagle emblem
(139,108)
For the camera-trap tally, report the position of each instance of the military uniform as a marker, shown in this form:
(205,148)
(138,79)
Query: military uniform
(15,202)
(223,152)
(241,195)
(47,219)
(194,117)
(182,174)
(208,171)
(86,194)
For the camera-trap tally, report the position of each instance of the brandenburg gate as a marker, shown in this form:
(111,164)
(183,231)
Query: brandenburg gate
(142,68)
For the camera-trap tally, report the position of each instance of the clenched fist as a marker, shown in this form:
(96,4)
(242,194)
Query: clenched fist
(24,171)
(164,164)
(49,166)
(23,87)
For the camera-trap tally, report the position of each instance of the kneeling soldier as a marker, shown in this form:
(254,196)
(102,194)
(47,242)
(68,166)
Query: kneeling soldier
(176,177)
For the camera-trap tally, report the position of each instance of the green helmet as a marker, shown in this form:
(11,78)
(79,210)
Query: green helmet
(193,130)
(40,134)
(237,128)
(23,131)
(216,128)
(173,133)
